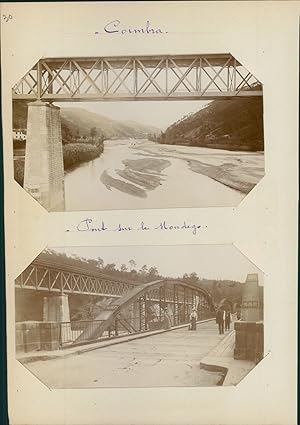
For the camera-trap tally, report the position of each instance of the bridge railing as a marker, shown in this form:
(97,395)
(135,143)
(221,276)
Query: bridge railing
(71,331)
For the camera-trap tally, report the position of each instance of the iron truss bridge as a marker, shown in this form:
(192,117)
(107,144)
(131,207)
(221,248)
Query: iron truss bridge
(46,276)
(178,77)
(146,307)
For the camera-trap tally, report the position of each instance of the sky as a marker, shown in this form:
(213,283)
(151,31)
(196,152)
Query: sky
(159,114)
(208,261)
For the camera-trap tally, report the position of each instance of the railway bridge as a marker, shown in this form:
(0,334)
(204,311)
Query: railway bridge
(98,79)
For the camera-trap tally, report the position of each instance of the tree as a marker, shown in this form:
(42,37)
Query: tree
(132,264)
(92,262)
(87,311)
(110,267)
(123,268)
(144,270)
(153,272)
(193,277)
(93,132)
(100,262)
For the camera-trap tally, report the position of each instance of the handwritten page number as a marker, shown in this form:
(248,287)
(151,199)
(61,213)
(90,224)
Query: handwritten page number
(7,18)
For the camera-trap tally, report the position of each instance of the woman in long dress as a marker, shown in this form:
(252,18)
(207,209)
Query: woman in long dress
(167,324)
(193,320)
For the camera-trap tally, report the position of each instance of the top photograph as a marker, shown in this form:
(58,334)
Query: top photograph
(135,132)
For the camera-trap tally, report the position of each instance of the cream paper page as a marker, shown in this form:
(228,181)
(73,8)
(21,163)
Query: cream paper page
(263,36)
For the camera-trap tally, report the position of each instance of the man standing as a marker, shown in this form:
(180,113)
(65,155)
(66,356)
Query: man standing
(227,320)
(220,317)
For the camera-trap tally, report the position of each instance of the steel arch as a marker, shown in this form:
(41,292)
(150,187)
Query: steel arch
(178,295)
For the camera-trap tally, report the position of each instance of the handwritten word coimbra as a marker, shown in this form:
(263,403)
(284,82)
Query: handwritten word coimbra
(89,225)
(115,27)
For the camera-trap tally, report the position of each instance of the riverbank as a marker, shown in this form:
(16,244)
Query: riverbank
(241,177)
(237,170)
(74,154)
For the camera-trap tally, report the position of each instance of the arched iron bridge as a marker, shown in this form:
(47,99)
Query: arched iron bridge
(130,308)
(151,306)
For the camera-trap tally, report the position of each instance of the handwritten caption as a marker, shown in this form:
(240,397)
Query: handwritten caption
(91,225)
(116,27)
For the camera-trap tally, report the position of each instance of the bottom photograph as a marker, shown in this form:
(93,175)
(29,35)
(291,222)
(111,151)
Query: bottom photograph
(140,316)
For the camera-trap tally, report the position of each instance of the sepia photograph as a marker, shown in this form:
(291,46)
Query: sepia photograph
(164,131)
(146,316)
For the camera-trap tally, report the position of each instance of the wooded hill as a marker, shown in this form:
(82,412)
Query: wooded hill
(235,124)
(77,122)
(147,273)
(87,307)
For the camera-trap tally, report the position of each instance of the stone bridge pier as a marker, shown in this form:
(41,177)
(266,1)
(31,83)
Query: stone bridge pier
(249,340)
(56,308)
(56,316)
(44,169)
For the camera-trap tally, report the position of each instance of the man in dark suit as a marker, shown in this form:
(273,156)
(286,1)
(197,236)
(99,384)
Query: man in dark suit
(227,320)
(220,317)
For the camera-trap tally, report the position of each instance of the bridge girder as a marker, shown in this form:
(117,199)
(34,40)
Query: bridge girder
(43,276)
(158,77)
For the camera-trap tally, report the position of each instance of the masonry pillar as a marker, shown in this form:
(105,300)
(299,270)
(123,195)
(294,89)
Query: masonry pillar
(56,309)
(249,332)
(44,170)
(250,299)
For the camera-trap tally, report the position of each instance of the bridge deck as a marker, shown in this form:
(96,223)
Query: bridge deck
(168,359)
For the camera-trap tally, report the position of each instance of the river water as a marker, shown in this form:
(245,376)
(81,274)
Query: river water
(132,174)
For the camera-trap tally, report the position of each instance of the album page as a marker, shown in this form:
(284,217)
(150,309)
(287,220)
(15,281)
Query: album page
(150,163)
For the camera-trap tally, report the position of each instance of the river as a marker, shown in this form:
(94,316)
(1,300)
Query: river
(133,174)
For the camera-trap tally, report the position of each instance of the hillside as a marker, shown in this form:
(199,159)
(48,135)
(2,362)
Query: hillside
(87,308)
(219,289)
(79,122)
(235,124)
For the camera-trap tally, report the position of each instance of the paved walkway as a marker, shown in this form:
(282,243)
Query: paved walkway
(221,359)
(83,348)
(166,359)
